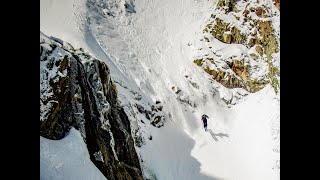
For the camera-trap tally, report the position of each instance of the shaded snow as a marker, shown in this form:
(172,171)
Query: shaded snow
(67,158)
(151,51)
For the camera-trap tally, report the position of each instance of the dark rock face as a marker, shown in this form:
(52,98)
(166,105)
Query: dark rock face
(155,114)
(77,90)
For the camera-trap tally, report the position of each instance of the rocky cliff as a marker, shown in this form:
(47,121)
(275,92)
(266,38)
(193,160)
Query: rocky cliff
(253,24)
(76,91)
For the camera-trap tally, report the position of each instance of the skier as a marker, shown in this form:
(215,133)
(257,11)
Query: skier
(204,120)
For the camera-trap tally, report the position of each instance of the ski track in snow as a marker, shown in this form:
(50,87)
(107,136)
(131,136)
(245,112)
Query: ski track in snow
(148,50)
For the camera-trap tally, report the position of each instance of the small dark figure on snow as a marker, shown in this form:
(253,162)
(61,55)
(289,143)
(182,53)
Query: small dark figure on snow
(204,120)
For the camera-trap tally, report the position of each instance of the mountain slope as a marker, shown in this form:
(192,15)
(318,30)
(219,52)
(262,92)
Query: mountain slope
(150,47)
(77,91)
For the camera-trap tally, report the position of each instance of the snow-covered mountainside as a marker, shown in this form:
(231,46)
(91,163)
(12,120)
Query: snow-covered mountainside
(164,64)
(77,91)
(249,55)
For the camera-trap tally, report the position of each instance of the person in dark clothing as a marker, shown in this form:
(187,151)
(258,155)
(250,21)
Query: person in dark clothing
(204,120)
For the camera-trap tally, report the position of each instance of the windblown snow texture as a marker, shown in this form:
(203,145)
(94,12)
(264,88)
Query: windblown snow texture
(149,47)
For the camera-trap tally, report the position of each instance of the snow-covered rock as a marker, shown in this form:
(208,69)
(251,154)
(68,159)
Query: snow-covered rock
(250,28)
(77,91)
(150,55)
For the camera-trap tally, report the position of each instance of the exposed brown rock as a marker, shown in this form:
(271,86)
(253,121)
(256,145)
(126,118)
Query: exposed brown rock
(227,38)
(277,3)
(260,12)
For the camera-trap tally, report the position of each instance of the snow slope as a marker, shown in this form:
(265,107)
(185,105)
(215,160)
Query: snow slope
(243,150)
(148,52)
(67,158)
(65,20)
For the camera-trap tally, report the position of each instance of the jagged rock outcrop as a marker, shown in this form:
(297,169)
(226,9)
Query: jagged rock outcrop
(248,23)
(236,74)
(77,91)
(154,113)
